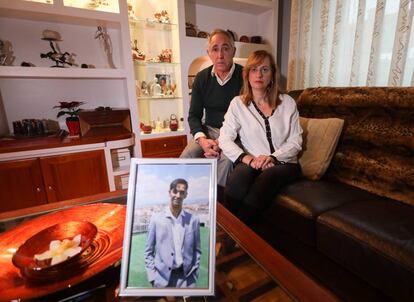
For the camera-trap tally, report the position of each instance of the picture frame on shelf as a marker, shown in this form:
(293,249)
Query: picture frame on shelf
(164,80)
(163,193)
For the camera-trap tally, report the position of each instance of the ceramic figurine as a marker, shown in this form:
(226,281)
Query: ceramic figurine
(162,17)
(137,54)
(156,88)
(105,44)
(173,122)
(166,55)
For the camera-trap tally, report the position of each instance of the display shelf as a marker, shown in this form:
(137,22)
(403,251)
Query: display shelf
(246,6)
(158,98)
(149,24)
(155,64)
(61,73)
(57,13)
(165,132)
(95,5)
(159,42)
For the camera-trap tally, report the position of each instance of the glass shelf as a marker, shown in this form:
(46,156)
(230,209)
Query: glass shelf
(167,97)
(150,24)
(162,133)
(157,64)
(110,6)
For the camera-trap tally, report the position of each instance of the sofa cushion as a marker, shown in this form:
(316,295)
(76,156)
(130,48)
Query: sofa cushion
(376,148)
(297,206)
(375,240)
(320,137)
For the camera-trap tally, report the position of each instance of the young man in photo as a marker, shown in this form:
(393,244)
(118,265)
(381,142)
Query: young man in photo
(173,251)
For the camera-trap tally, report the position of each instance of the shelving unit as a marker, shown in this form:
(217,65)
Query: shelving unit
(158,80)
(244,17)
(31,92)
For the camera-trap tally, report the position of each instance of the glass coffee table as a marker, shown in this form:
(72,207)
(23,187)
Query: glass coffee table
(247,268)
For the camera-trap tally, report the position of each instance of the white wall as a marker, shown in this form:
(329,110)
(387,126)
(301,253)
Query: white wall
(35,98)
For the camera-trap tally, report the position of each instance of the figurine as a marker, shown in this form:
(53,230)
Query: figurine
(6,53)
(137,54)
(144,88)
(156,88)
(173,122)
(131,13)
(166,55)
(58,57)
(162,17)
(106,44)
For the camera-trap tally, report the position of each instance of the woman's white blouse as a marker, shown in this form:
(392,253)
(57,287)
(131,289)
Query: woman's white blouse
(250,126)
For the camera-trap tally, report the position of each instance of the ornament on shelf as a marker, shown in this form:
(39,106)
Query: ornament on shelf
(131,12)
(145,88)
(6,53)
(173,122)
(190,29)
(106,44)
(137,54)
(96,3)
(162,17)
(56,55)
(156,88)
(166,55)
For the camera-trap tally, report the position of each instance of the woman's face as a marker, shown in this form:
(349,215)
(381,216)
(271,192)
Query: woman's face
(260,75)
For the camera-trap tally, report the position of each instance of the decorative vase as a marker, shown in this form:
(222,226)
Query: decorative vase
(73,125)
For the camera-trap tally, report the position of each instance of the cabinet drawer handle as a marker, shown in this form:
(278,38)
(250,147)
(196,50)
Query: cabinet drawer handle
(38,189)
(50,188)
(165,145)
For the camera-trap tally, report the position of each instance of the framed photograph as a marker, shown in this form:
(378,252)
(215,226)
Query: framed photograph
(170,228)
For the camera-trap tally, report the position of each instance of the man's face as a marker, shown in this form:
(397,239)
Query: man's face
(177,195)
(221,53)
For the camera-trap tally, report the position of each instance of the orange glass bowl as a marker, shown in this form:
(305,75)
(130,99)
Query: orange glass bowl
(24,258)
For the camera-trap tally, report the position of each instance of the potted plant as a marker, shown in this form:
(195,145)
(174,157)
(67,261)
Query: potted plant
(71,109)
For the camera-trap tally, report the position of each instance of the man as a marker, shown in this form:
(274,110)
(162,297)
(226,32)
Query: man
(172,252)
(213,89)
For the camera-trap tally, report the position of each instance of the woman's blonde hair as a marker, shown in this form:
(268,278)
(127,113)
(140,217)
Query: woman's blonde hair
(272,90)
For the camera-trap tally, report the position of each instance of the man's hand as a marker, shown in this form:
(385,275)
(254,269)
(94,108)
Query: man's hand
(210,147)
(262,162)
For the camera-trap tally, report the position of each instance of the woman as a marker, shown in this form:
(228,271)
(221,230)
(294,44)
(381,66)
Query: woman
(267,123)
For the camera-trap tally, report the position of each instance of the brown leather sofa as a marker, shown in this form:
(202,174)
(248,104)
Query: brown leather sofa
(353,230)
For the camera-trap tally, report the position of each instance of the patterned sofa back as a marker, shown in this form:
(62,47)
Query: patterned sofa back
(376,148)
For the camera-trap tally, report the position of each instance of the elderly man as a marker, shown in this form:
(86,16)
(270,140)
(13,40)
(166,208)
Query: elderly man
(213,89)
(173,251)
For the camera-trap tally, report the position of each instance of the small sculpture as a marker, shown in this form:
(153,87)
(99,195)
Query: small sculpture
(162,17)
(166,55)
(173,122)
(131,13)
(156,88)
(6,53)
(137,54)
(56,55)
(106,44)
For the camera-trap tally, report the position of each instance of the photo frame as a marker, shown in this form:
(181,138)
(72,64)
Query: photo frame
(171,206)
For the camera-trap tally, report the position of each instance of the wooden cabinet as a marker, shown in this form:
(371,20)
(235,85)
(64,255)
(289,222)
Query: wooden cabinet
(163,147)
(74,175)
(21,185)
(26,183)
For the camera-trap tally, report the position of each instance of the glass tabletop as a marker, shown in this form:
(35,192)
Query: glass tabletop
(247,269)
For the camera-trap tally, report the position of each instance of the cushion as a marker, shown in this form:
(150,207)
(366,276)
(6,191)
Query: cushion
(320,137)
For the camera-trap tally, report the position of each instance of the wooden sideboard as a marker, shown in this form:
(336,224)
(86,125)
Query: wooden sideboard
(163,147)
(35,172)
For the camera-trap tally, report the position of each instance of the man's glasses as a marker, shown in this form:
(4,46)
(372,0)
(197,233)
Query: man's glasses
(175,191)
